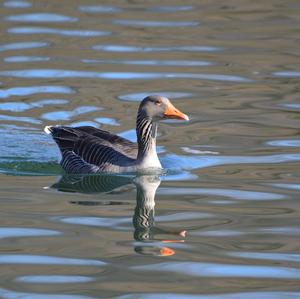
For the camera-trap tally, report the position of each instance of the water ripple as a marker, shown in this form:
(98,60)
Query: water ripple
(25,119)
(7,294)
(231,193)
(194,162)
(84,123)
(99,9)
(123,48)
(150,62)
(178,176)
(107,121)
(16,232)
(287,74)
(17,4)
(243,295)
(289,257)
(171,8)
(66,115)
(50,279)
(22,46)
(287,186)
(137,97)
(60,73)
(7,259)
(289,231)
(219,233)
(145,23)
(41,18)
(292,231)
(20,106)
(66,32)
(291,105)
(182,216)
(29,90)
(284,143)
(109,222)
(18,146)
(14,106)
(26,59)
(223,270)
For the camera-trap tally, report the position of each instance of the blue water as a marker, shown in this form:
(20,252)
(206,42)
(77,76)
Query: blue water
(221,220)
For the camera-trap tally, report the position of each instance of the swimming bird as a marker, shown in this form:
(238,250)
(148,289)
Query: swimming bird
(87,149)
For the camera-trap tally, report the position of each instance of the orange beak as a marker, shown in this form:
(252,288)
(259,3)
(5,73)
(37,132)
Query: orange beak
(172,112)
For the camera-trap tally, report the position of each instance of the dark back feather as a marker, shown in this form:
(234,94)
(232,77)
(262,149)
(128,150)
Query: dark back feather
(89,150)
(67,138)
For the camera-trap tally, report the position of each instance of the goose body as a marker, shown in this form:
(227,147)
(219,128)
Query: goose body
(90,150)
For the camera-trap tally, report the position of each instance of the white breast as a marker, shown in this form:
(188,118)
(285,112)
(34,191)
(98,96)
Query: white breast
(150,160)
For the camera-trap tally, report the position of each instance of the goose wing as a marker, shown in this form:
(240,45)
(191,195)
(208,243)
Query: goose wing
(121,144)
(87,149)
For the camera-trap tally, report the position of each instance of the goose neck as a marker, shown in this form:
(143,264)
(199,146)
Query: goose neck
(146,130)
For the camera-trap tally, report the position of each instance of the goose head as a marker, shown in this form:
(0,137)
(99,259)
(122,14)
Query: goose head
(158,107)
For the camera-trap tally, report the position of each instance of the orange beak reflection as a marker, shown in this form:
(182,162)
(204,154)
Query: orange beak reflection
(165,251)
(172,112)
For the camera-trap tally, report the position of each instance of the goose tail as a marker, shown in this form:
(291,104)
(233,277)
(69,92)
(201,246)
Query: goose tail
(48,130)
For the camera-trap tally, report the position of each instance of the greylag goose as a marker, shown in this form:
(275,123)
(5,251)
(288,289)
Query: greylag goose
(89,150)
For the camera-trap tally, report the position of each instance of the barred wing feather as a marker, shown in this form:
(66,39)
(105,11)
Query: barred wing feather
(87,149)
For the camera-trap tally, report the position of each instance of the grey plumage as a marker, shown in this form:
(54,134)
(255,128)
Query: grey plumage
(90,150)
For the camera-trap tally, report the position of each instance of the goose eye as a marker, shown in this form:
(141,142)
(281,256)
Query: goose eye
(158,103)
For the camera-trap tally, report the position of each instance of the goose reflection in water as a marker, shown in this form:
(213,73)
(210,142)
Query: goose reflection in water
(145,232)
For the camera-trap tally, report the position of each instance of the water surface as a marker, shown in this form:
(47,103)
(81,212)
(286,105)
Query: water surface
(222,221)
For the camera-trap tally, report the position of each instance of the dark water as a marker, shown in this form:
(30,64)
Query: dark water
(223,220)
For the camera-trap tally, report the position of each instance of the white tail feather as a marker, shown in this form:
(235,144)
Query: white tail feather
(47,129)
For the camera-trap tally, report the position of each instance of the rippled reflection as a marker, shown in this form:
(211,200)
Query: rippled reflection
(140,95)
(30,90)
(175,8)
(67,32)
(46,260)
(290,257)
(66,115)
(151,62)
(143,218)
(244,295)
(49,279)
(202,161)
(223,270)
(20,106)
(285,143)
(99,9)
(41,18)
(16,4)
(107,121)
(24,119)
(295,106)
(288,186)
(125,48)
(288,74)
(8,294)
(145,23)
(15,232)
(235,194)
(60,73)
(17,59)
(22,46)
